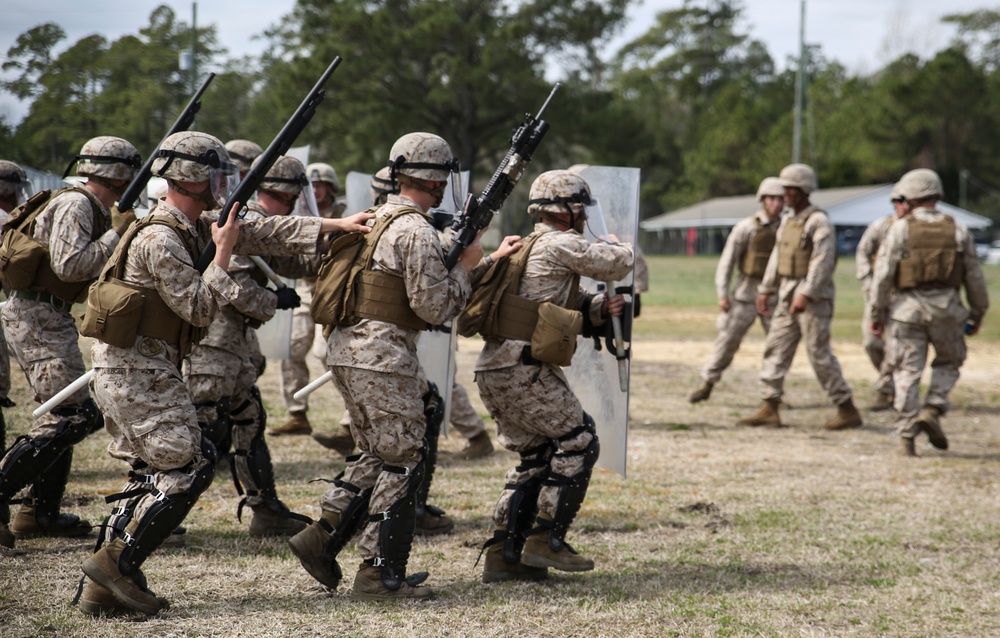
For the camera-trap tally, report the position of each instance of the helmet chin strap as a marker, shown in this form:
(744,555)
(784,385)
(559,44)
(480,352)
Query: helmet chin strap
(205,196)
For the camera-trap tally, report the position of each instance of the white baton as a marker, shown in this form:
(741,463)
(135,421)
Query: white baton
(62,395)
(307,390)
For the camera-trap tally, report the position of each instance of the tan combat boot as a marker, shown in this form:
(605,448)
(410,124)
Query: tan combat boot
(477,447)
(702,393)
(767,414)
(269,523)
(496,569)
(909,448)
(6,536)
(929,422)
(296,423)
(881,402)
(343,444)
(847,417)
(429,523)
(96,600)
(30,523)
(309,546)
(368,585)
(102,568)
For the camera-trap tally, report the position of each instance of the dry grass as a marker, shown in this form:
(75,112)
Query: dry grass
(718,531)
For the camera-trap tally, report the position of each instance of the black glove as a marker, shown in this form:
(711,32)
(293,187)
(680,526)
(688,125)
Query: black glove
(287,298)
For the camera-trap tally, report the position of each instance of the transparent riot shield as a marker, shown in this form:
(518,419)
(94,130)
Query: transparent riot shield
(598,376)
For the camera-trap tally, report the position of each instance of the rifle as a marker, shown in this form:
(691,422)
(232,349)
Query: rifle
(278,147)
(184,121)
(478,212)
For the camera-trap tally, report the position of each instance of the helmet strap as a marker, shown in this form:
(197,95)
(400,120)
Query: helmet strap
(205,196)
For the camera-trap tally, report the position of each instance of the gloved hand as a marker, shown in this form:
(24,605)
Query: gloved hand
(287,298)
(121,221)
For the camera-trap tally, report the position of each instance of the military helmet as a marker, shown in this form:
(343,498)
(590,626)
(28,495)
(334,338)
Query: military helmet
(320,172)
(108,157)
(558,192)
(799,176)
(287,175)
(382,184)
(895,195)
(770,187)
(243,153)
(190,156)
(919,184)
(12,178)
(422,156)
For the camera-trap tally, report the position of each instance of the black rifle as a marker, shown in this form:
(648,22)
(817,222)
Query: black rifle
(478,212)
(131,195)
(278,147)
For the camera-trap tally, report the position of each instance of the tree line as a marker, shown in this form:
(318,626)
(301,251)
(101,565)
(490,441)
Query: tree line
(694,101)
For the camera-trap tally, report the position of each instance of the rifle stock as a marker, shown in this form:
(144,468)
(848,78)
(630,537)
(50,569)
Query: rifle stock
(278,147)
(479,211)
(184,121)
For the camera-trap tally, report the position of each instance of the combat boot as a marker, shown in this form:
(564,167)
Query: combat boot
(929,422)
(96,600)
(368,585)
(272,519)
(431,521)
(6,536)
(477,447)
(847,417)
(881,402)
(310,547)
(296,423)
(538,552)
(767,414)
(702,393)
(343,444)
(496,569)
(909,448)
(103,569)
(31,521)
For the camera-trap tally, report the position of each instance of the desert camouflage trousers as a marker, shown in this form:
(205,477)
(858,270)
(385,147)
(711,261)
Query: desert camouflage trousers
(787,330)
(153,426)
(732,326)
(464,417)
(4,367)
(875,349)
(46,344)
(908,353)
(232,376)
(533,406)
(388,424)
(294,371)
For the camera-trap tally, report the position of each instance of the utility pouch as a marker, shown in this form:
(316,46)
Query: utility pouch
(20,258)
(114,310)
(554,338)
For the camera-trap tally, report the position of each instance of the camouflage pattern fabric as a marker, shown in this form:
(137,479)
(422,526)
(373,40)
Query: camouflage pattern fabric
(733,326)
(875,347)
(464,417)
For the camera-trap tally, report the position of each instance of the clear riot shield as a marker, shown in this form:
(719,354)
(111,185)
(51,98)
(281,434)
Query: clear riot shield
(275,336)
(358,192)
(595,376)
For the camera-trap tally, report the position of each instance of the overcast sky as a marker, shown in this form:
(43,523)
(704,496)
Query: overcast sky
(862,34)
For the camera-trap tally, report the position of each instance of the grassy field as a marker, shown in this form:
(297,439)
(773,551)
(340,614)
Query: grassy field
(717,531)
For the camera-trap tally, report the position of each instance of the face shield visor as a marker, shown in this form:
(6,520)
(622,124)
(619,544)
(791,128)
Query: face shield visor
(597,227)
(23,190)
(223,180)
(307,205)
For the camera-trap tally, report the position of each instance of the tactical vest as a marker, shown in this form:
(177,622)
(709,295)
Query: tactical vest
(118,311)
(932,259)
(23,220)
(794,249)
(380,295)
(754,261)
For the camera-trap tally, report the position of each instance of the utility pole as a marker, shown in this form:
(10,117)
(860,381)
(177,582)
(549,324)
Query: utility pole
(799,88)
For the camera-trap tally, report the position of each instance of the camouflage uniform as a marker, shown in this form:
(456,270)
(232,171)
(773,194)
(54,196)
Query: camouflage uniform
(149,411)
(375,367)
(868,247)
(222,370)
(814,323)
(923,316)
(42,334)
(733,325)
(536,413)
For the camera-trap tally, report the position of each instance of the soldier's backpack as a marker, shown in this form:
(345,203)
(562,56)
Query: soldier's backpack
(21,257)
(348,255)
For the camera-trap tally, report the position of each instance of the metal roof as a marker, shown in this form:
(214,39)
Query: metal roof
(847,206)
